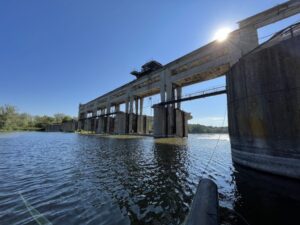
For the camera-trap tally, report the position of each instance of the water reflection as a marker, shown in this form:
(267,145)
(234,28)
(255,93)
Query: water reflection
(78,179)
(266,199)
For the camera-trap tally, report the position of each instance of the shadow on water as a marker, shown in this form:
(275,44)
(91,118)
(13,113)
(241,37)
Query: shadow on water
(263,198)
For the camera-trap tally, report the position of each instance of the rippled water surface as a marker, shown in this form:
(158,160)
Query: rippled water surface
(80,179)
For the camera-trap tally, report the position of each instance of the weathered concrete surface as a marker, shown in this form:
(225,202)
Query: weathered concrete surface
(87,124)
(159,122)
(101,125)
(163,116)
(181,123)
(140,124)
(53,127)
(69,126)
(121,121)
(264,109)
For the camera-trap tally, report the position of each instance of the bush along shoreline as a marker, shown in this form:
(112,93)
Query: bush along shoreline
(12,120)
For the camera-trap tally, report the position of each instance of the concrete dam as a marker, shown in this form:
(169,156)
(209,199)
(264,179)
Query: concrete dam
(262,87)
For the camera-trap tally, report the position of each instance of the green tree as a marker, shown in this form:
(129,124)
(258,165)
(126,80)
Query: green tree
(67,118)
(8,117)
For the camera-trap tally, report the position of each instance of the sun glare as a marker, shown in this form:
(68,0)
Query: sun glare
(222,34)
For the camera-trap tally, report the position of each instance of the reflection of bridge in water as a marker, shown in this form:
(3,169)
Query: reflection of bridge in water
(262,91)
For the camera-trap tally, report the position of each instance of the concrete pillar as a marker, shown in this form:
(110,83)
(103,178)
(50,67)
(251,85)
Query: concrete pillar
(136,106)
(178,96)
(263,109)
(108,117)
(117,107)
(248,39)
(140,118)
(160,121)
(170,110)
(120,123)
(127,106)
(131,113)
(141,105)
(163,86)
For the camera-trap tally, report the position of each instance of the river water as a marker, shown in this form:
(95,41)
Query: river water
(86,179)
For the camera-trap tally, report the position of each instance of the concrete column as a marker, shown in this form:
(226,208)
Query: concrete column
(117,108)
(141,105)
(140,119)
(170,91)
(263,109)
(131,104)
(130,113)
(160,121)
(108,119)
(178,96)
(162,87)
(136,106)
(170,110)
(126,105)
(248,39)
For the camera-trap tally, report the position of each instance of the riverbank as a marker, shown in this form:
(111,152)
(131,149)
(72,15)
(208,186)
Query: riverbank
(20,130)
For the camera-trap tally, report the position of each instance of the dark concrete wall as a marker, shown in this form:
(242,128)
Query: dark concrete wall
(264,109)
(69,126)
(163,115)
(53,128)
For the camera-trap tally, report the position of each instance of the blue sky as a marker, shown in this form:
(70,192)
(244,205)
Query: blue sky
(56,54)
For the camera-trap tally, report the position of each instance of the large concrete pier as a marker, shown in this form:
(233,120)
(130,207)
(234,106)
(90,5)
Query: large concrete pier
(263,96)
(263,104)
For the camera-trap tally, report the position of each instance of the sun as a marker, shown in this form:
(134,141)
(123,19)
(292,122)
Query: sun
(222,34)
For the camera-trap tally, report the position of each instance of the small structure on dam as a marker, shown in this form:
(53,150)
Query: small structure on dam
(262,87)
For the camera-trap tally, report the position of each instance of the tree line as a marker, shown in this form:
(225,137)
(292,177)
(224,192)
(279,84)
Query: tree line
(198,129)
(11,119)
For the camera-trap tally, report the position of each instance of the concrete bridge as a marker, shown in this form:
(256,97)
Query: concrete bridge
(261,131)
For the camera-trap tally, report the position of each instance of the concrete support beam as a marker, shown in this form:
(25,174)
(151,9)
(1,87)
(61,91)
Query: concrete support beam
(272,15)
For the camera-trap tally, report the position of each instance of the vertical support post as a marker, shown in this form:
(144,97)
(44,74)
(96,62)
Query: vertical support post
(117,108)
(136,106)
(170,109)
(248,39)
(141,106)
(108,119)
(126,105)
(131,104)
(162,87)
(178,96)
(131,113)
